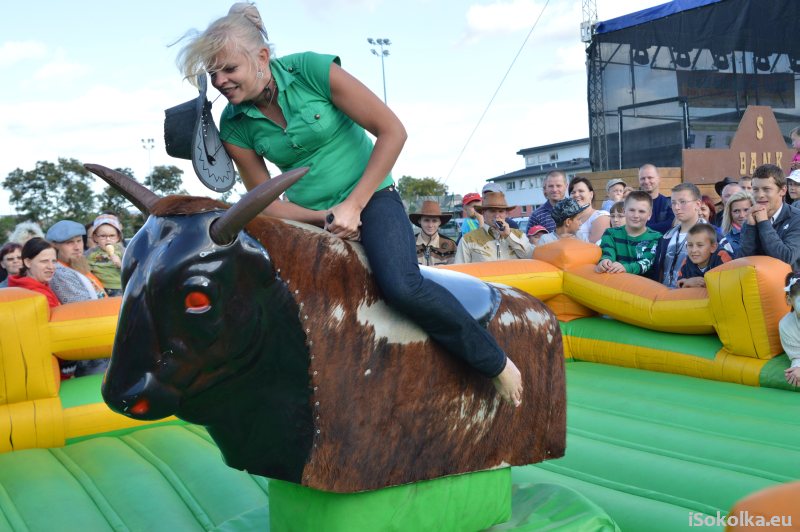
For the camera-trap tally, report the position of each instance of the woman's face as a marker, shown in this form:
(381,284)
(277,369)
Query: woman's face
(12,262)
(237,79)
(793,189)
(430,224)
(582,194)
(705,213)
(42,266)
(739,211)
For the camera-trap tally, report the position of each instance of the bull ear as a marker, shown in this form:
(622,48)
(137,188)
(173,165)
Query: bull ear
(141,197)
(226,227)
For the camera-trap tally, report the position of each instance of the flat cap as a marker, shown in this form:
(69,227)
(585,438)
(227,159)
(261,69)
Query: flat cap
(63,230)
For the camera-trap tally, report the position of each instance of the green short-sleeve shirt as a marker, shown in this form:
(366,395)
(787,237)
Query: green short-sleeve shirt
(317,133)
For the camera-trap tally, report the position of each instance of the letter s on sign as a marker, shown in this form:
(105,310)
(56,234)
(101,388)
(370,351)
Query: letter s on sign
(759,127)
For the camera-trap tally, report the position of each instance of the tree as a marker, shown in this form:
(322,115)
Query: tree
(112,201)
(51,192)
(410,188)
(165,180)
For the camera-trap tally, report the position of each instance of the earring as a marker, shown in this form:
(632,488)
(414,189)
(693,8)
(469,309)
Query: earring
(259,75)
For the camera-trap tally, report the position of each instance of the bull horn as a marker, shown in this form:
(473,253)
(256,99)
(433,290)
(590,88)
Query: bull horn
(226,227)
(141,197)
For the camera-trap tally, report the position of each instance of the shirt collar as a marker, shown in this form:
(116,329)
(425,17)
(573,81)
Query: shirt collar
(434,240)
(777,213)
(284,76)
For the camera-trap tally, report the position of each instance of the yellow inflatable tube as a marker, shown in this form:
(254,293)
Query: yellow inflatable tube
(31,413)
(738,312)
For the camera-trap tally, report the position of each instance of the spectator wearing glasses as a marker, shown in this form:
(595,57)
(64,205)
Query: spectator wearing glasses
(105,258)
(671,252)
(10,261)
(617,214)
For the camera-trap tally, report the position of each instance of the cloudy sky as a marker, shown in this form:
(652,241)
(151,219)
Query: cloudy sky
(90,79)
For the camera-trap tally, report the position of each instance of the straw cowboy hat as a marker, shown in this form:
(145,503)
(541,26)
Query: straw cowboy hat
(494,200)
(432,209)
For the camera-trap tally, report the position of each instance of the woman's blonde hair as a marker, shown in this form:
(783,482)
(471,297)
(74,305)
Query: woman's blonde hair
(241,30)
(727,216)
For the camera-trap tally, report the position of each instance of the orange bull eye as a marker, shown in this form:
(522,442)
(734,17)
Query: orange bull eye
(197,302)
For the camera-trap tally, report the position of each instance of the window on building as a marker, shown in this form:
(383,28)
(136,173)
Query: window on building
(709,141)
(510,185)
(521,184)
(554,156)
(524,209)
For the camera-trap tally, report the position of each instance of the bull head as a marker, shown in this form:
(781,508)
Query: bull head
(201,303)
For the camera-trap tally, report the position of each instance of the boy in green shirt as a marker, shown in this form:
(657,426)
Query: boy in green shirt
(630,248)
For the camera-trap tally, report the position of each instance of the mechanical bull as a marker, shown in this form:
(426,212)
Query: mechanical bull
(274,336)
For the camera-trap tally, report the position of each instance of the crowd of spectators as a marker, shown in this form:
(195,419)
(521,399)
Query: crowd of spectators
(66,264)
(640,231)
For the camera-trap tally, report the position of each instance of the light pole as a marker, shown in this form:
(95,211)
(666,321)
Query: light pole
(383,53)
(149,144)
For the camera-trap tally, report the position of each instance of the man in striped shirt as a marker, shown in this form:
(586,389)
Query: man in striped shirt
(630,248)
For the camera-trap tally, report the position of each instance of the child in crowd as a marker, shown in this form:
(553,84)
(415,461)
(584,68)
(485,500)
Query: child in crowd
(535,233)
(617,213)
(632,247)
(702,254)
(615,188)
(746,182)
(789,328)
(105,258)
(795,136)
(565,215)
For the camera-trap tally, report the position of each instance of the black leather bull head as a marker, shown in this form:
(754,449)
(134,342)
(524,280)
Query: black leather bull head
(204,316)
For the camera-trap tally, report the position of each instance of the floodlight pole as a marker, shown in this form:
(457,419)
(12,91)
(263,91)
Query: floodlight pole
(383,53)
(149,144)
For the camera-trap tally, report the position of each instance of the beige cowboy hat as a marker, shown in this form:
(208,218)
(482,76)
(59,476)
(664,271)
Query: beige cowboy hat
(432,209)
(494,200)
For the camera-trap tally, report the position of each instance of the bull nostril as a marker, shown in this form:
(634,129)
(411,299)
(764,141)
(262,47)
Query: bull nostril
(141,407)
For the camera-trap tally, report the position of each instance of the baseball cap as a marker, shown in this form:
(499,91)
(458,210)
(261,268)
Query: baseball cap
(794,176)
(612,182)
(537,229)
(470,197)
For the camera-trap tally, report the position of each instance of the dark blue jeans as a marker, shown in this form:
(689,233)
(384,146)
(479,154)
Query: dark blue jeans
(391,250)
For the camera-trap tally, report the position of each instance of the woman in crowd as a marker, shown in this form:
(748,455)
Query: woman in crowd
(433,248)
(733,219)
(593,222)
(10,261)
(305,110)
(38,266)
(707,209)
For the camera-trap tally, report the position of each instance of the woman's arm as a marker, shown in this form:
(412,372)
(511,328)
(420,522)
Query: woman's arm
(599,226)
(253,171)
(367,110)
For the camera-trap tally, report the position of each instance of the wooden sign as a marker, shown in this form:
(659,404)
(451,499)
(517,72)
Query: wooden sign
(758,141)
